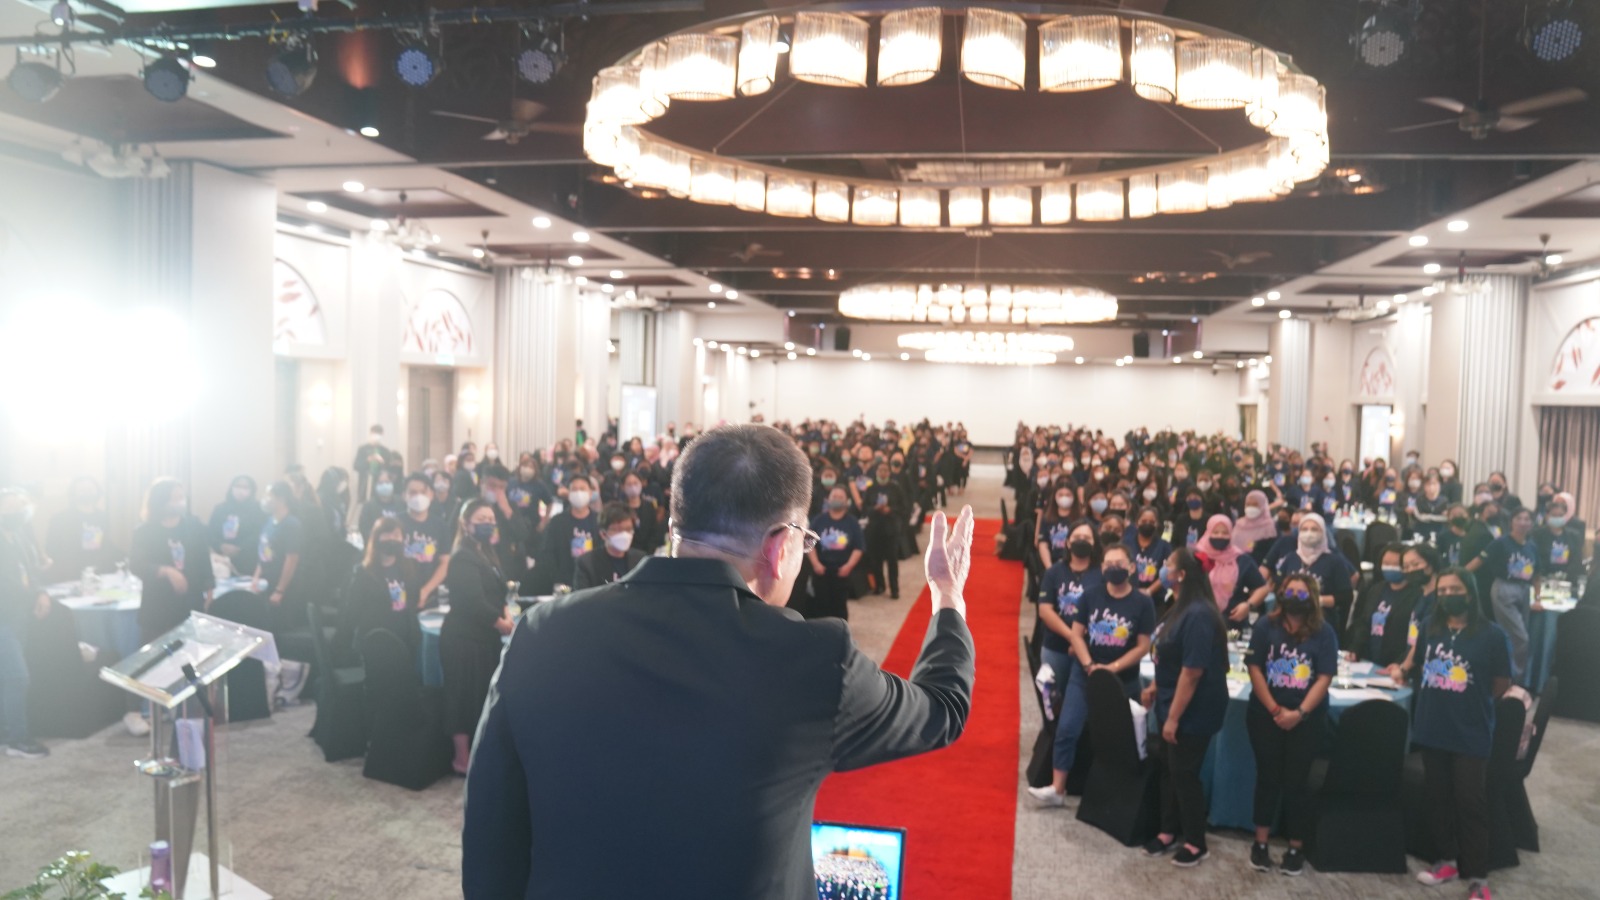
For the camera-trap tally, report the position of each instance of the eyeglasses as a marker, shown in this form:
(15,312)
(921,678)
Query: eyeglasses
(809,539)
(1296,594)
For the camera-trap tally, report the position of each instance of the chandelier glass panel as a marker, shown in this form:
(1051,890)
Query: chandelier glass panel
(978,304)
(1166,61)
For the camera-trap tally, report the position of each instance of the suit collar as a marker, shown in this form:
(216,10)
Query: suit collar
(708,572)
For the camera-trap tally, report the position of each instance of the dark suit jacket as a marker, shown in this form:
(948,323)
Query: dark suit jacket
(664,736)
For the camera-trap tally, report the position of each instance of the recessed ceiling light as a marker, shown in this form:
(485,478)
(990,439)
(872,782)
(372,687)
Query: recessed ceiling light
(788,345)
(574,260)
(791,313)
(1239,364)
(712,345)
(1120,363)
(715,288)
(1273,295)
(616,273)
(1198,354)
(369,131)
(1176,360)
(541,221)
(316,206)
(354,187)
(1383,306)
(477,253)
(581,237)
(792,355)
(379,224)
(856,353)
(754,354)
(1267,359)
(1079,360)
(1254,361)
(731,295)
(1418,240)
(711,304)
(1401,298)
(1258,301)
(203,61)
(1553,259)
(1353,178)
(1285,314)
(1430,269)
(905,357)
(811,351)
(743,351)
(608,287)
(866,357)
(580,281)
(1457,225)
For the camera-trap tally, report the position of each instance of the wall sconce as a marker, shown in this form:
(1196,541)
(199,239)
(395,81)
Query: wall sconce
(469,402)
(321,410)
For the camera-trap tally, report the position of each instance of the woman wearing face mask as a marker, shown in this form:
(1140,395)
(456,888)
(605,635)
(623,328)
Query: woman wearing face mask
(464,485)
(1511,561)
(1189,521)
(333,493)
(1464,670)
(827,479)
(836,555)
(281,550)
(1314,553)
(1293,656)
(617,555)
(1110,631)
(885,505)
(1457,521)
(1150,553)
(78,537)
(611,482)
(1329,495)
(170,555)
(1063,588)
(1236,580)
(385,591)
(1422,564)
(1302,492)
(1382,619)
(444,502)
(528,489)
(386,502)
(1190,699)
(1450,476)
(1560,541)
(1428,511)
(235,526)
(569,535)
(1099,503)
(428,535)
(649,531)
(1255,531)
(479,617)
(1055,523)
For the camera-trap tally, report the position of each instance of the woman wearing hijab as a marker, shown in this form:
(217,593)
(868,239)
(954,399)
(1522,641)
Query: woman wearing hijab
(1314,553)
(1255,532)
(1559,540)
(1235,577)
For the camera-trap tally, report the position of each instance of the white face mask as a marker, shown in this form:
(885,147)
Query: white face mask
(1252,512)
(491,454)
(1150,493)
(579,499)
(418,503)
(1310,540)
(1414,484)
(620,541)
(1447,471)
(1064,502)
(617,465)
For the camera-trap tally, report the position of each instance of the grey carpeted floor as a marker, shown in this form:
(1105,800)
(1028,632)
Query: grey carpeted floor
(307,830)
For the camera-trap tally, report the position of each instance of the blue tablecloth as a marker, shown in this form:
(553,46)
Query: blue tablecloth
(1542,645)
(109,622)
(1229,770)
(430,621)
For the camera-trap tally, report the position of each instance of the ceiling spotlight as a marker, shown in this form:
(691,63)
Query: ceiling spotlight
(1198,354)
(417,65)
(34,81)
(1418,240)
(61,13)
(353,187)
(616,274)
(1457,225)
(1079,360)
(1383,306)
(906,357)
(1176,360)
(754,354)
(478,253)
(369,131)
(1120,363)
(791,313)
(811,351)
(792,355)
(1267,359)
(1401,298)
(580,281)
(608,287)
(1239,364)
(788,345)
(1353,178)
(1382,39)
(711,304)
(1258,301)
(1254,361)
(743,350)
(574,260)
(1553,33)
(866,357)
(316,206)
(379,224)
(581,237)
(731,295)
(1273,295)
(203,60)
(1430,269)
(856,353)
(291,71)
(715,288)
(541,221)
(1553,259)
(1285,314)
(540,63)
(167,79)
(712,345)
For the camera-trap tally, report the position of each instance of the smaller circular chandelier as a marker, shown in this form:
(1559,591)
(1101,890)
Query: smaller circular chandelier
(978,304)
(996,348)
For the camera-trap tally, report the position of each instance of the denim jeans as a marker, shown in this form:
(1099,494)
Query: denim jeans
(1511,605)
(13,685)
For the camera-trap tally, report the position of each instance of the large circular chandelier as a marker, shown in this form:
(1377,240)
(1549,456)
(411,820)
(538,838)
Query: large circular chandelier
(1164,60)
(978,304)
(1037,341)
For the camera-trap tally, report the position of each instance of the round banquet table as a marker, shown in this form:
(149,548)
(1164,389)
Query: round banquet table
(1542,642)
(1229,770)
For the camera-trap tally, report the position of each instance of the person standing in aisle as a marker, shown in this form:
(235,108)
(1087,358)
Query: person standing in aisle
(836,555)
(1511,563)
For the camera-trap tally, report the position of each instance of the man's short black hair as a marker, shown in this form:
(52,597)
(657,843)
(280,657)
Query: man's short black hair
(737,481)
(615,513)
(495,470)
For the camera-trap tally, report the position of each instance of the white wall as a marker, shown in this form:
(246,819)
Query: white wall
(992,399)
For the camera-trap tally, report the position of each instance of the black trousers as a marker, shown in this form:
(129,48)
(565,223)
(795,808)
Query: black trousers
(1458,803)
(1283,770)
(883,552)
(831,593)
(1183,797)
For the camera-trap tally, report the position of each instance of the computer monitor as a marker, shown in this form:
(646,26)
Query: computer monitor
(857,862)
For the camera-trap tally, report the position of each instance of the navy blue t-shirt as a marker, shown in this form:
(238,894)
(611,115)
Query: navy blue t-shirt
(840,538)
(1192,639)
(1418,614)
(1064,589)
(1506,560)
(1114,626)
(1054,532)
(1455,702)
(1147,562)
(1291,667)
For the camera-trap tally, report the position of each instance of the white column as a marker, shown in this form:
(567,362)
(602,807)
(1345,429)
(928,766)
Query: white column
(535,361)
(1290,394)
(594,361)
(1491,376)
(676,371)
(372,352)
(1441,430)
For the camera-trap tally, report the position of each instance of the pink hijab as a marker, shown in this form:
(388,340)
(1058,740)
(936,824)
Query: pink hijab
(1247,531)
(1224,563)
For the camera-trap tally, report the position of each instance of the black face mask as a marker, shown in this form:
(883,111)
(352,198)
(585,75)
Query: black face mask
(1220,543)
(390,548)
(1147,529)
(1416,578)
(1107,538)
(1297,608)
(1461,522)
(1081,549)
(1454,604)
(1116,575)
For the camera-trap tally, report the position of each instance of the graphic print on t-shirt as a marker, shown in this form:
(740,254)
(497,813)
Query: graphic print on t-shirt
(1107,629)
(1147,569)
(421,547)
(1380,617)
(230,528)
(834,539)
(93,535)
(1443,670)
(1519,567)
(1058,536)
(1067,599)
(1288,668)
(264,547)
(582,542)
(397,595)
(175,547)
(1560,553)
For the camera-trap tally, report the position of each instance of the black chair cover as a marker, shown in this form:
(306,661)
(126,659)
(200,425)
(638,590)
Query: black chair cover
(1577,663)
(340,727)
(406,743)
(1359,824)
(1524,826)
(66,698)
(1123,798)
(246,685)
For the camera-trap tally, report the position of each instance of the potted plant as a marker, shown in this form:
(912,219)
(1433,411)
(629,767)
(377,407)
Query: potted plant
(75,877)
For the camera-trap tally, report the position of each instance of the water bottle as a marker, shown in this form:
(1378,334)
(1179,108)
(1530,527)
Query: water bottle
(160,867)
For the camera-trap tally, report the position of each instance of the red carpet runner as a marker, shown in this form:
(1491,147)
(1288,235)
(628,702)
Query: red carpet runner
(957,805)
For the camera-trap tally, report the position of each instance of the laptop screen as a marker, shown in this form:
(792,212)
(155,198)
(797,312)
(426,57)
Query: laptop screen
(857,862)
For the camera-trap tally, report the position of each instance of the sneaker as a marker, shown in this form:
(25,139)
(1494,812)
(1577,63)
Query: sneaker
(136,724)
(1443,873)
(27,750)
(894,595)
(1480,891)
(1047,797)
(1157,847)
(1260,857)
(1188,859)
(1294,862)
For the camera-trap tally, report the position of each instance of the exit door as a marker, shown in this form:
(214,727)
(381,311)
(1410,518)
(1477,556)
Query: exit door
(432,409)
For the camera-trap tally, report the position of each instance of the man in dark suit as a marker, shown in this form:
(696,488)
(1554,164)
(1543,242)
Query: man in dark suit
(665,736)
